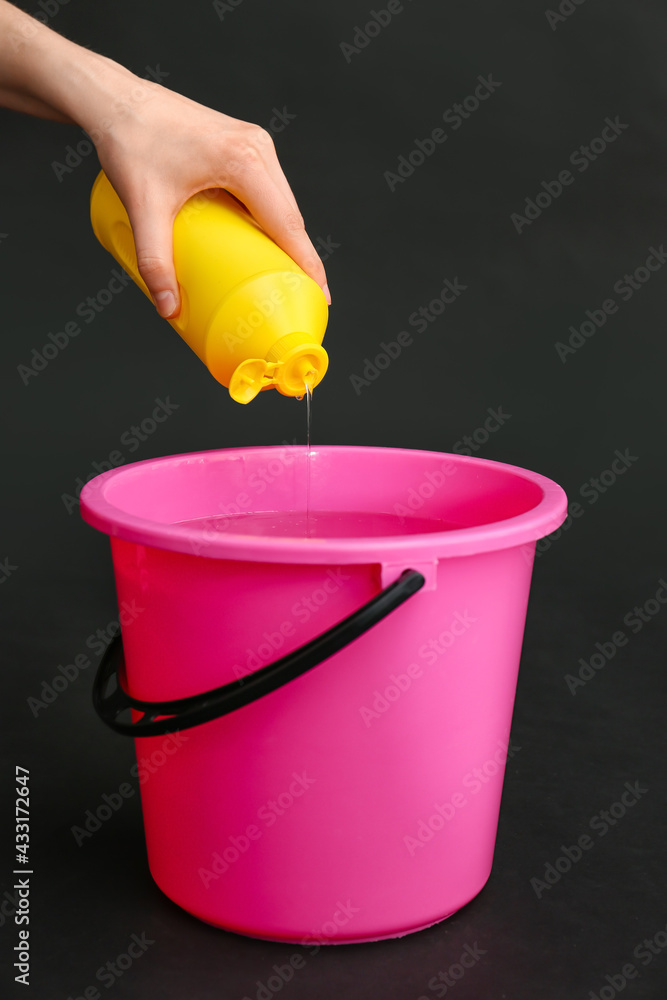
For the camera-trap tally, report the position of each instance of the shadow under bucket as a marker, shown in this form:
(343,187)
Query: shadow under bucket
(358,800)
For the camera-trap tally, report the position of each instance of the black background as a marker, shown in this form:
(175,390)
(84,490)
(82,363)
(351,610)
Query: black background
(493,347)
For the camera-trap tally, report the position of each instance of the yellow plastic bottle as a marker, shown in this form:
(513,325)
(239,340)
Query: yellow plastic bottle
(248,311)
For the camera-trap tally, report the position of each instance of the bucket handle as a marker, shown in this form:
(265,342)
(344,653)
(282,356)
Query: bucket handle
(111,700)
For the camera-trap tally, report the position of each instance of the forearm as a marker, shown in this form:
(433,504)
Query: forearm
(44,74)
(158,148)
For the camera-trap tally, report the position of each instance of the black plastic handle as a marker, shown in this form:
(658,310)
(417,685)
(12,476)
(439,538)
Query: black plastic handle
(161,717)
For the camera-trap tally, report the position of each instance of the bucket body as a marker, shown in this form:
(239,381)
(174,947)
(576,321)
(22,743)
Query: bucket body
(360,801)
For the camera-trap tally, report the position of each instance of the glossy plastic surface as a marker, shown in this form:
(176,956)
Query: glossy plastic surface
(361,800)
(248,310)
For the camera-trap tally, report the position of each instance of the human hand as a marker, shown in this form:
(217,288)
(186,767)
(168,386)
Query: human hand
(157,147)
(166,149)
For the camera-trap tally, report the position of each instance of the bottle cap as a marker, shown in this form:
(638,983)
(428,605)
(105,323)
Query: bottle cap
(291,364)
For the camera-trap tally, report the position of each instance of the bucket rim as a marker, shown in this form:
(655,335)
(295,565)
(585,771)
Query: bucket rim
(520,530)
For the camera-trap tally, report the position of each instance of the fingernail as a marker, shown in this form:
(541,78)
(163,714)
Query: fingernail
(327,294)
(165,303)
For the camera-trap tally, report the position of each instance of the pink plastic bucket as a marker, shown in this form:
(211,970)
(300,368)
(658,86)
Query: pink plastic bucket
(360,799)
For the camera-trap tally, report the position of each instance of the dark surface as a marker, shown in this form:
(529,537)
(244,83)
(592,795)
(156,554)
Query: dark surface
(494,347)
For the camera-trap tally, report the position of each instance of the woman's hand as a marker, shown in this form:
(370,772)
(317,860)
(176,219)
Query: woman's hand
(167,148)
(157,147)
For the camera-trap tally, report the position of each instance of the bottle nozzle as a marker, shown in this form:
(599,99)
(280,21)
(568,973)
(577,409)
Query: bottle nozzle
(303,366)
(290,367)
(306,371)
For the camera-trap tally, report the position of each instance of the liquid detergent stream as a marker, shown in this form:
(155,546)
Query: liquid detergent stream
(309,417)
(317,524)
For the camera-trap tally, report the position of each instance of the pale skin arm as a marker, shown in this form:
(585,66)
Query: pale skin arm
(157,147)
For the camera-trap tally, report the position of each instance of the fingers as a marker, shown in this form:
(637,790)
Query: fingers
(275,171)
(153,227)
(277,217)
(241,157)
(261,185)
(316,271)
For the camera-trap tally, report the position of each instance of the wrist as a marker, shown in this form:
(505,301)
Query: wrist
(81,86)
(91,89)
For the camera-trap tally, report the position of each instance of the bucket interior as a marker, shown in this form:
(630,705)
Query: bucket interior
(346,480)
(149,501)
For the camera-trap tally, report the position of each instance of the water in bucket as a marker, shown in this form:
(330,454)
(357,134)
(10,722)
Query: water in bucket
(320,524)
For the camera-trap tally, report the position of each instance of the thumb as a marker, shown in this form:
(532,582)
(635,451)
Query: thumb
(153,239)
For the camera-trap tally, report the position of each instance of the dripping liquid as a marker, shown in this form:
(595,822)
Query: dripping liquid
(309,417)
(317,523)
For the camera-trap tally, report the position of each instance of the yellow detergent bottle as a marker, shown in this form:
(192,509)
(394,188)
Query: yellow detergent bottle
(248,311)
